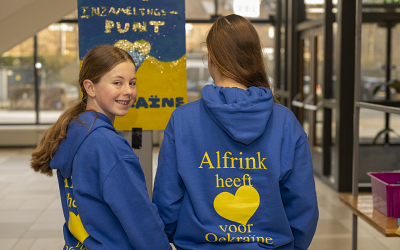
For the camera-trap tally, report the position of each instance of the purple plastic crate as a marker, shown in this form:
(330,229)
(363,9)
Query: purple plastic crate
(386,193)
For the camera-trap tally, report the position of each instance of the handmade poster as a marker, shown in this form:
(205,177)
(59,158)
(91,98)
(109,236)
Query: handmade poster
(153,32)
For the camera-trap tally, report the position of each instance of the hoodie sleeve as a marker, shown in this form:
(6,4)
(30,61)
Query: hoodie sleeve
(125,192)
(168,186)
(299,196)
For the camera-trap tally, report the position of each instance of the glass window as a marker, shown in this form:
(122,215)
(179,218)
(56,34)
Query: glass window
(320,86)
(320,68)
(373,156)
(307,68)
(196,63)
(334,58)
(396,51)
(315,9)
(373,1)
(281,81)
(373,61)
(267,37)
(371,123)
(59,69)
(372,128)
(204,9)
(196,54)
(394,125)
(17,89)
(333,171)
(58,65)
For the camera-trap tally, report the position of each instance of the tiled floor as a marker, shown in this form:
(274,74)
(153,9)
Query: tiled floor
(31,216)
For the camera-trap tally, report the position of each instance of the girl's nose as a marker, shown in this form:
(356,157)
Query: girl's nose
(127,90)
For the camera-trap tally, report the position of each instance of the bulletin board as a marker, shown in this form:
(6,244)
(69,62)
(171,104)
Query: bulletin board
(153,32)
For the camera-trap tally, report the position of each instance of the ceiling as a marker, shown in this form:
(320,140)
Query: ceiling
(22,19)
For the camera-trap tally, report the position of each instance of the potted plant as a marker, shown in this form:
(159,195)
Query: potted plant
(393,84)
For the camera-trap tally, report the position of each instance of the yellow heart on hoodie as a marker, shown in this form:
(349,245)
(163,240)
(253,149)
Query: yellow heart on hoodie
(75,226)
(239,207)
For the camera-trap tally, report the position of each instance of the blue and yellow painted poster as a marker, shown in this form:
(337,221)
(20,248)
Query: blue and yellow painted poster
(153,32)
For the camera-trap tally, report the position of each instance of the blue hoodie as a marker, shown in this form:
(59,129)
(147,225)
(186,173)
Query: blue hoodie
(103,190)
(235,172)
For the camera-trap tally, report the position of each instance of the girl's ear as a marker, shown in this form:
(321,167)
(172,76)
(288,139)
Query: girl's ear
(210,62)
(89,87)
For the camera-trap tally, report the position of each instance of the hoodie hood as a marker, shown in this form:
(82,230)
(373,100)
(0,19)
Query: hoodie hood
(242,114)
(77,132)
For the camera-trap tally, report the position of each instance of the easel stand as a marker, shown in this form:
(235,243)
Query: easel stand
(145,154)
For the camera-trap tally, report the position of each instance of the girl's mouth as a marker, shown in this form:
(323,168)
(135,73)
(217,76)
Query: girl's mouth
(123,102)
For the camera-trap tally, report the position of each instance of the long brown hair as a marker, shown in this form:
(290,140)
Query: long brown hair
(234,47)
(98,61)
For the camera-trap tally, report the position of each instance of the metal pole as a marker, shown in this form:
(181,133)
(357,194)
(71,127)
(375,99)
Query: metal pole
(388,76)
(215,16)
(356,116)
(277,51)
(36,77)
(327,88)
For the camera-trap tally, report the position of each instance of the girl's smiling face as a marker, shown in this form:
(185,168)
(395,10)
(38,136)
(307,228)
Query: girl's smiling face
(115,93)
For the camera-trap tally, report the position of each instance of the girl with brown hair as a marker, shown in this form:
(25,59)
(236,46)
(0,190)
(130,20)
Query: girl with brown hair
(235,169)
(105,204)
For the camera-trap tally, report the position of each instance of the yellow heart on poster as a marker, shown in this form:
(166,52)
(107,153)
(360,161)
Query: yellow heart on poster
(239,207)
(75,226)
(142,46)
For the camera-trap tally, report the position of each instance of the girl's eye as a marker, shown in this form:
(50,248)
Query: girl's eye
(117,83)
(132,83)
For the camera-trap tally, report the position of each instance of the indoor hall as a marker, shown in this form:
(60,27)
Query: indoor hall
(344,92)
(31,215)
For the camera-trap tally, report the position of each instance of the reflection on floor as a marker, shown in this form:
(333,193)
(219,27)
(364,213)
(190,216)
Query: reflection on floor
(31,216)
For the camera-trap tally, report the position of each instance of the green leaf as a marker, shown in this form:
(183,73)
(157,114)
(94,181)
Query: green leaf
(376,89)
(384,132)
(394,84)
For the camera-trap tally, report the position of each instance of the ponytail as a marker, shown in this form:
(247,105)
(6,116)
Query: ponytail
(41,157)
